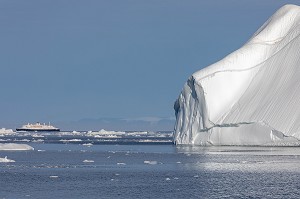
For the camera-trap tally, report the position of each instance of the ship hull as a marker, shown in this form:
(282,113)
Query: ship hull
(37,130)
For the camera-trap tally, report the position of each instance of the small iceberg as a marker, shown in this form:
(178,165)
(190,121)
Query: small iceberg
(121,163)
(6,160)
(88,161)
(152,162)
(4,131)
(87,144)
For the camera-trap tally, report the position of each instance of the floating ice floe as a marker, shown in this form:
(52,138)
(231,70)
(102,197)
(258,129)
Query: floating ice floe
(71,140)
(5,159)
(76,133)
(88,161)
(152,162)
(4,131)
(23,140)
(105,133)
(121,163)
(117,134)
(15,147)
(38,140)
(87,144)
(37,136)
(252,96)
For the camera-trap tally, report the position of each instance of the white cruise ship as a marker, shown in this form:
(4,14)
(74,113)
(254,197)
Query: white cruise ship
(38,127)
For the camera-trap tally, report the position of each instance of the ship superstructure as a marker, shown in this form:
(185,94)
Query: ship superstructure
(38,127)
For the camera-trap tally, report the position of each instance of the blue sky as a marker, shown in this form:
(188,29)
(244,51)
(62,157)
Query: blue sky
(66,61)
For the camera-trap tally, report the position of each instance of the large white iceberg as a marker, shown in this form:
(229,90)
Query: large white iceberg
(252,96)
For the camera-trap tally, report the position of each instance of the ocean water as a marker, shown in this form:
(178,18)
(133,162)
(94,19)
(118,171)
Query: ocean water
(150,171)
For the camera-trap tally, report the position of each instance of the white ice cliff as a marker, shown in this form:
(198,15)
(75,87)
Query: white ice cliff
(252,96)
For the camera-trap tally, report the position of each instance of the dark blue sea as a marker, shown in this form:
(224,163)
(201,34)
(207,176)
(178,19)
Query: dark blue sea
(71,170)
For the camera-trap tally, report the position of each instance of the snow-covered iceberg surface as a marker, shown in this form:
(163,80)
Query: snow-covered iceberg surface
(15,147)
(252,96)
